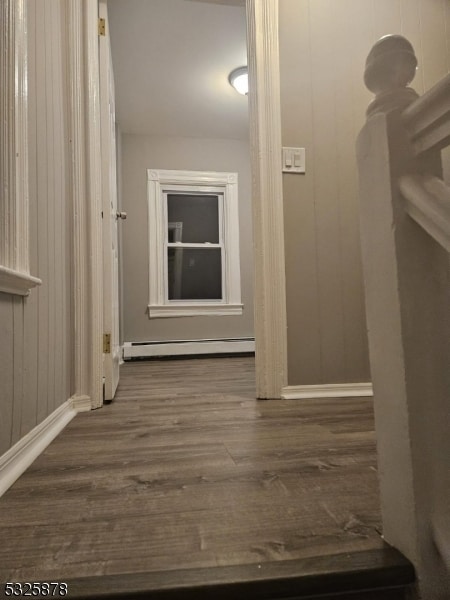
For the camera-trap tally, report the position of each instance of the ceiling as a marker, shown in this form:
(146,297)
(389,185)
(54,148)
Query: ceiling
(171,61)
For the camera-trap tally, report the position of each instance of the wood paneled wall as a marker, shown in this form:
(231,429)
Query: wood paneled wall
(35,356)
(323,47)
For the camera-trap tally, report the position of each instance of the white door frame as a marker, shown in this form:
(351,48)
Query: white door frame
(267,192)
(84,126)
(267,198)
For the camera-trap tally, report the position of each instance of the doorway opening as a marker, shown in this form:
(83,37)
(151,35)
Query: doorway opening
(176,111)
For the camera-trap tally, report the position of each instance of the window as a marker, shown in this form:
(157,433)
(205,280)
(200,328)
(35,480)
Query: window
(193,244)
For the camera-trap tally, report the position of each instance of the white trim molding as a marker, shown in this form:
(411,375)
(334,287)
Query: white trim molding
(187,347)
(329,390)
(225,186)
(80,403)
(15,275)
(18,458)
(195,309)
(267,198)
(83,77)
(15,282)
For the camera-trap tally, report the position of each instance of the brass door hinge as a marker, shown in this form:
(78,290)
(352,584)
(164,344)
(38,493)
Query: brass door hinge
(106,343)
(101,27)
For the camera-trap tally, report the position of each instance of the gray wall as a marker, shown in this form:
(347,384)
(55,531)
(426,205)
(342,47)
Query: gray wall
(140,153)
(35,359)
(323,46)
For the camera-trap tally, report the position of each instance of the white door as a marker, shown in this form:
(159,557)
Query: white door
(110,215)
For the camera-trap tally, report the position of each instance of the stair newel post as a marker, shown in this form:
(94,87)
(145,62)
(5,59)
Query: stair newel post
(406,279)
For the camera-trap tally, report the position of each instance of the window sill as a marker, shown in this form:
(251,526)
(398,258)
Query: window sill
(15,282)
(156,311)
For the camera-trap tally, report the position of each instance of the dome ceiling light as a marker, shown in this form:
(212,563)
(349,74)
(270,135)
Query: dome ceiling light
(239,80)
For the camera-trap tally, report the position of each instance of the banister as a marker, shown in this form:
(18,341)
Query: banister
(428,203)
(407,292)
(427,119)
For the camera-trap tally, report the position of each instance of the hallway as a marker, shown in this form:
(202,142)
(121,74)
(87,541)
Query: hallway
(185,469)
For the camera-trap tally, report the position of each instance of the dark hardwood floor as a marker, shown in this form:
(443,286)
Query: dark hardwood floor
(186,470)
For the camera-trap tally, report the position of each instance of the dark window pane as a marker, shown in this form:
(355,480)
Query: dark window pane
(194,274)
(198,216)
(175,232)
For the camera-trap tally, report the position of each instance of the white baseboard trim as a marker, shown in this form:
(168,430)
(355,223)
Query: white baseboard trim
(182,347)
(18,458)
(330,390)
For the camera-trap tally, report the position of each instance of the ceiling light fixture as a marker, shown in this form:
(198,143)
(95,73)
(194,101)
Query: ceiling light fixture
(239,80)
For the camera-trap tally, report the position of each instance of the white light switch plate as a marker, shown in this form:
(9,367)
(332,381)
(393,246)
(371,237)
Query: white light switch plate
(294,160)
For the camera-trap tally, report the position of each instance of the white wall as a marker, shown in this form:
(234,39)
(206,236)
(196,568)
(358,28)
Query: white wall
(140,153)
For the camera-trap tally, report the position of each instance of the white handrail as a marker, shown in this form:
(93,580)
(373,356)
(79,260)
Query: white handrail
(428,203)
(428,118)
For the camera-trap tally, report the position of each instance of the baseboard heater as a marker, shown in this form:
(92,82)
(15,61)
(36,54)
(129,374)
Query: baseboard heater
(187,347)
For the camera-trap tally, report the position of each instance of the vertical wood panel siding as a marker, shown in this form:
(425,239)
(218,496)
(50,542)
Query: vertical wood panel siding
(6,371)
(35,359)
(323,46)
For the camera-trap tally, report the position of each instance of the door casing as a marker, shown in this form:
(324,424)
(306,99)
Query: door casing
(267,194)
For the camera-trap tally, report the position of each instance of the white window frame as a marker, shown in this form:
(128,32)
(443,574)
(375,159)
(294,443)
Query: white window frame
(15,276)
(225,185)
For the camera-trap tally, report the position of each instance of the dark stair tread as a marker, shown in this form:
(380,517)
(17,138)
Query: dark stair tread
(326,576)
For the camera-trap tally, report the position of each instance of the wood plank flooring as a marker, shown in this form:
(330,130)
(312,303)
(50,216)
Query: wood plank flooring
(186,470)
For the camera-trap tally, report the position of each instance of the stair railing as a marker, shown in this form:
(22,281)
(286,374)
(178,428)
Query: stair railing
(405,237)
